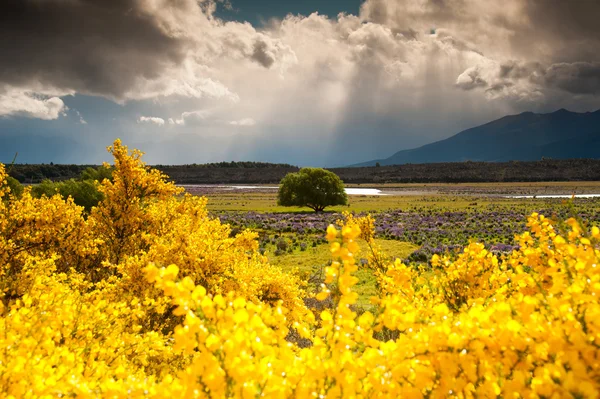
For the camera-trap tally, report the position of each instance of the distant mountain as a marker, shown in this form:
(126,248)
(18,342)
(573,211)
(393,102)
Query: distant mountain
(524,137)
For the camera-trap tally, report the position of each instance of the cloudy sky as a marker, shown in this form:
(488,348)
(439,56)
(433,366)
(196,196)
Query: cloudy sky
(313,82)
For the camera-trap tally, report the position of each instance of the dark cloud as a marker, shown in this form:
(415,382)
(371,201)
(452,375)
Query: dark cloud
(261,53)
(559,30)
(546,31)
(410,14)
(573,78)
(98,47)
(576,78)
(458,44)
(499,87)
(516,70)
(570,20)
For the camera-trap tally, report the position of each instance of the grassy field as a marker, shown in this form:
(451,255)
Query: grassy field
(267,202)
(407,196)
(310,265)
(431,217)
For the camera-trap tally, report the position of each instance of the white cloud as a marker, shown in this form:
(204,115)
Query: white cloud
(209,118)
(176,121)
(470,79)
(244,122)
(183,83)
(198,117)
(151,119)
(82,121)
(17,102)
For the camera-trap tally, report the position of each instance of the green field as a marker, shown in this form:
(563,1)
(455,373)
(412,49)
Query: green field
(307,254)
(310,265)
(267,202)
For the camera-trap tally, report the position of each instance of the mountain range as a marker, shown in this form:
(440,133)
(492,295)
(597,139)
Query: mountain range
(524,137)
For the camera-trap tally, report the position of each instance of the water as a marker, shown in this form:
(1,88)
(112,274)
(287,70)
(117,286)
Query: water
(207,188)
(363,191)
(554,196)
(227,187)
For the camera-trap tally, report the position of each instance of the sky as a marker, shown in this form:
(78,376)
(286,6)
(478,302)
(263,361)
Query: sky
(311,83)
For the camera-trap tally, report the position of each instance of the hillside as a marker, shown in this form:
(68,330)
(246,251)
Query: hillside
(524,137)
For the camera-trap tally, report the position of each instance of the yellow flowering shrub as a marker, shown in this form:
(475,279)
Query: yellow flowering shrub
(33,229)
(150,297)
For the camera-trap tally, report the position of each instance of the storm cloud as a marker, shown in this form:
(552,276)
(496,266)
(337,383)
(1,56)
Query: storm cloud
(94,47)
(576,77)
(118,49)
(397,74)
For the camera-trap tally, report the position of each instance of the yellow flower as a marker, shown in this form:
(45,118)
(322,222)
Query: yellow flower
(331,233)
(150,297)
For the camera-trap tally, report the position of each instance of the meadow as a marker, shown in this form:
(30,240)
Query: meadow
(412,221)
(154,292)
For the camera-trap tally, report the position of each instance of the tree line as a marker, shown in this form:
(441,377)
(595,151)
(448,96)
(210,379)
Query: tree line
(450,172)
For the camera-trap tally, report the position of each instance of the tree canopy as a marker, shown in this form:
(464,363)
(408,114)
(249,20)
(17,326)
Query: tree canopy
(315,188)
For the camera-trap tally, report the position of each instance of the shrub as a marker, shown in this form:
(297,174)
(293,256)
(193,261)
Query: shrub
(282,244)
(16,188)
(84,190)
(84,193)
(98,174)
(149,296)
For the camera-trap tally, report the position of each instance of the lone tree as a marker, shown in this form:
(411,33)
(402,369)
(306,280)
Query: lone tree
(315,188)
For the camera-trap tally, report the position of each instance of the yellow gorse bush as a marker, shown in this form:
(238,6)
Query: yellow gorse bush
(149,296)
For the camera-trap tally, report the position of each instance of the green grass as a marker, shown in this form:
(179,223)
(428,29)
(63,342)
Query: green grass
(314,260)
(267,202)
(263,202)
